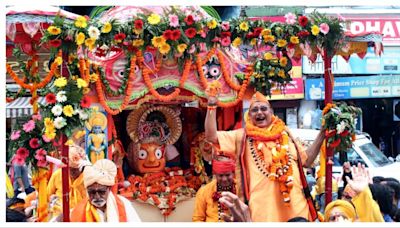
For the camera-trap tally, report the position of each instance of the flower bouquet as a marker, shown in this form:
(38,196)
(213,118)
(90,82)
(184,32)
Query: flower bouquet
(339,121)
(28,144)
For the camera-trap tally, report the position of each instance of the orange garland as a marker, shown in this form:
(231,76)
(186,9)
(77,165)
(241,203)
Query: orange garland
(225,72)
(164,98)
(199,66)
(185,73)
(128,91)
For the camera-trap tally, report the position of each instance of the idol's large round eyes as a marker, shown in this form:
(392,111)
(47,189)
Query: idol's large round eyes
(136,68)
(121,73)
(164,57)
(159,153)
(205,69)
(142,154)
(214,70)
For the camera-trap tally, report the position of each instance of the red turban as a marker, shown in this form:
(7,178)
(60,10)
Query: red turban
(219,167)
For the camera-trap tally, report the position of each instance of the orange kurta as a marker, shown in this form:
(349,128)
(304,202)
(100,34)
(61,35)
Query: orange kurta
(266,202)
(205,208)
(77,191)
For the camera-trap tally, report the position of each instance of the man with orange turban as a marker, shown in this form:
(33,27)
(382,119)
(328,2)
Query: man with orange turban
(340,211)
(77,191)
(207,206)
(269,175)
(102,205)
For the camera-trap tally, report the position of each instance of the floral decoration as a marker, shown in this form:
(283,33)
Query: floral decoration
(339,121)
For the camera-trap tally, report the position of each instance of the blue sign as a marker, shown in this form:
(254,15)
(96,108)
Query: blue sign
(355,87)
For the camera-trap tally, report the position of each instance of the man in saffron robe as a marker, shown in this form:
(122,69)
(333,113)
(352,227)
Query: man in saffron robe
(102,205)
(77,191)
(207,207)
(268,175)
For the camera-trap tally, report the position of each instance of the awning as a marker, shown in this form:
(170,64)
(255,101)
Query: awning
(21,107)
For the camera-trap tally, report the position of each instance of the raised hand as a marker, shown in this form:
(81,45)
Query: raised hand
(239,210)
(360,179)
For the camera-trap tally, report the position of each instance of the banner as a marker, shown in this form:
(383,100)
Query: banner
(355,87)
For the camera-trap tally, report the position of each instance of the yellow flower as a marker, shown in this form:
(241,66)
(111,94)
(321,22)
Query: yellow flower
(315,30)
(81,22)
(137,43)
(257,75)
(81,83)
(282,43)
(80,38)
(283,61)
(269,38)
(60,82)
(236,42)
(271,73)
(86,90)
(58,60)
(281,73)
(253,41)
(54,30)
(95,109)
(294,39)
(212,24)
(164,48)
(268,56)
(181,48)
(68,110)
(50,135)
(265,32)
(154,19)
(69,142)
(48,122)
(244,26)
(157,41)
(137,31)
(106,27)
(94,77)
(89,42)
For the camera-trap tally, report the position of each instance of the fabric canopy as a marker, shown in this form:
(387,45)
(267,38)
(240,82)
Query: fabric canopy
(21,107)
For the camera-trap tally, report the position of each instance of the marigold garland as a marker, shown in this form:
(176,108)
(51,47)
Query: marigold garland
(225,72)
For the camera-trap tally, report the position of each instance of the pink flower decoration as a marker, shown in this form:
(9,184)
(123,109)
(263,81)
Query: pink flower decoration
(196,18)
(18,159)
(173,20)
(34,143)
(15,135)
(225,25)
(42,163)
(192,49)
(29,126)
(37,117)
(226,41)
(46,139)
(41,152)
(290,18)
(22,152)
(340,17)
(324,28)
(216,39)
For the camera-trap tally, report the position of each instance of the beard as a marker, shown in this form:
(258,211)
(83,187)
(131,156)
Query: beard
(98,203)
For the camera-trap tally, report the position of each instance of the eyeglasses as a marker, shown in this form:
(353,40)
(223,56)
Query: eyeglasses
(337,216)
(262,108)
(101,192)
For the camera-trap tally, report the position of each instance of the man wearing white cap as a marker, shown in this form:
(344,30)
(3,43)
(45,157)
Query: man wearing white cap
(102,205)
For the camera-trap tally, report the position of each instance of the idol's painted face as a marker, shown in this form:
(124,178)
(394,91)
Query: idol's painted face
(225,179)
(260,114)
(150,158)
(97,129)
(98,194)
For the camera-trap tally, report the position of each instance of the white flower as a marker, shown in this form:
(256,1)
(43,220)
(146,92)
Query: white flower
(82,114)
(94,32)
(57,110)
(340,127)
(59,122)
(60,97)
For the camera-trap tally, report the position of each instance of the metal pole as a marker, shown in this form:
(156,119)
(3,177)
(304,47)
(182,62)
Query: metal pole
(65,178)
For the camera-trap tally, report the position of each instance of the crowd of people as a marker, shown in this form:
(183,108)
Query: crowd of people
(260,175)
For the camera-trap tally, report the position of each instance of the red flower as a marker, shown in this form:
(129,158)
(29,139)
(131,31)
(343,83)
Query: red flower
(190,32)
(335,143)
(120,36)
(303,33)
(176,34)
(55,43)
(330,133)
(257,31)
(344,133)
(291,45)
(167,34)
(34,143)
(189,20)
(225,34)
(138,24)
(116,49)
(22,152)
(303,20)
(50,98)
(250,35)
(86,102)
